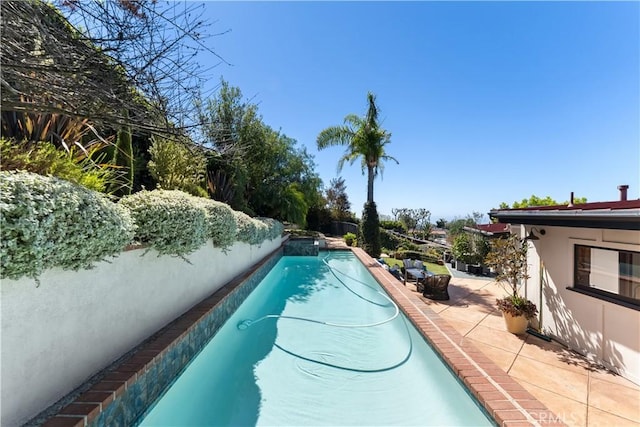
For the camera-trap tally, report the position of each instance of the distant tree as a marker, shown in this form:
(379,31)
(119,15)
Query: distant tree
(457,225)
(365,140)
(407,218)
(441,223)
(337,200)
(262,171)
(537,201)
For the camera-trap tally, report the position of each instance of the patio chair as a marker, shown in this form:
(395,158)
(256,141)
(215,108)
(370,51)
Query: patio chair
(436,287)
(413,270)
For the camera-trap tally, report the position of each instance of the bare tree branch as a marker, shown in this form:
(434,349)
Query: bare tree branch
(98,59)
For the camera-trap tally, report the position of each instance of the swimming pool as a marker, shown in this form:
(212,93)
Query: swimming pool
(318,342)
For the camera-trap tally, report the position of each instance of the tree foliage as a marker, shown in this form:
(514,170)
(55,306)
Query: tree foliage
(457,225)
(364,139)
(264,171)
(338,201)
(177,166)
(369,230)
(508,257)
(415,220)
(538,201)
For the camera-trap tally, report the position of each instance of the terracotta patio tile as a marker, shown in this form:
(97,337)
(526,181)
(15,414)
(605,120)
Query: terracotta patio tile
(500,339)
(613,378)
(615,399)
(571,412)
(552,378)
(598,418)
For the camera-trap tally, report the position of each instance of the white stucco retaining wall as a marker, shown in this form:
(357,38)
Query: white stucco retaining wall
(74,324)
(605,332)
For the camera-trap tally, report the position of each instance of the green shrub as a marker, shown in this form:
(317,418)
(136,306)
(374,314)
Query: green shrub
(221,222)
(369,230)
(349,238)
(274,228)
(250,230)
(169,221)
(47,222)
(393,225)
(462,249)
(177,166)
(406,254)
(389,241)
(44,158)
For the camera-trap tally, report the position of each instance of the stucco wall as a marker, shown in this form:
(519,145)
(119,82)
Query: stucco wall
(57,335)
(605,332)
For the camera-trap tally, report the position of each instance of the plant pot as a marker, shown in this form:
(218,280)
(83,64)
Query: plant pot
(515,324)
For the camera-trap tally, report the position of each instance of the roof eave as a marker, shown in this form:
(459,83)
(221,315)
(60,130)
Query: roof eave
(627,219)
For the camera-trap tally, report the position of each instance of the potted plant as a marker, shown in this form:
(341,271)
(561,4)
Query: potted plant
(461,250)
(508,257)
(349,238)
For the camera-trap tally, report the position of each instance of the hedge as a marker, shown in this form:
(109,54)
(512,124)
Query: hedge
(169,221)
(250,230)
(47,222)
(221,222)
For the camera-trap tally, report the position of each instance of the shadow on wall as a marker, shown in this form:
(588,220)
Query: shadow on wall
(576,335)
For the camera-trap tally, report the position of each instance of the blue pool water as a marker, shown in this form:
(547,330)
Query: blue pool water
(318,342)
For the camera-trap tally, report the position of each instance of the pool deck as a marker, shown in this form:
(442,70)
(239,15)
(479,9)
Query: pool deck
(521,380)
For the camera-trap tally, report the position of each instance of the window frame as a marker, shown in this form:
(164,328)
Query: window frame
(611,297)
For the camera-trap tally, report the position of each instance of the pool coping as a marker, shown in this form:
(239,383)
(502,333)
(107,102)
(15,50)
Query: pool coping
(501,396)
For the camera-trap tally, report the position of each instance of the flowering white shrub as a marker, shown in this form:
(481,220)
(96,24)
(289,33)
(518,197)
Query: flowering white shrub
(169,221)
(250,230)
(47,222)
(221,222)
(275,228)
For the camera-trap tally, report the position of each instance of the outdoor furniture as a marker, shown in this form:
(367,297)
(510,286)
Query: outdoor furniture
(413,270)
(436,286)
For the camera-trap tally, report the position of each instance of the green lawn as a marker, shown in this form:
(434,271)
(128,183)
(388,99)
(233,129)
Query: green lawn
(434,268)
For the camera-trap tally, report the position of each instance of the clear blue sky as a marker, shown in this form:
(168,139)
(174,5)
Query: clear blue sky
(486,102)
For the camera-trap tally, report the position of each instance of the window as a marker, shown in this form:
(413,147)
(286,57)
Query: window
(609,272)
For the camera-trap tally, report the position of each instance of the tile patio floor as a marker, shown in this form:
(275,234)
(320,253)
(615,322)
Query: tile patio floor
(577,391)
(580,393)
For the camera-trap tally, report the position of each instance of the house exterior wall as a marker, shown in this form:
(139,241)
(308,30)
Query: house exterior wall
(57,335)
(605,332)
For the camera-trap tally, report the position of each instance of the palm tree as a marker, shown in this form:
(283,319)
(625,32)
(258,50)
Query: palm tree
(364,139)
